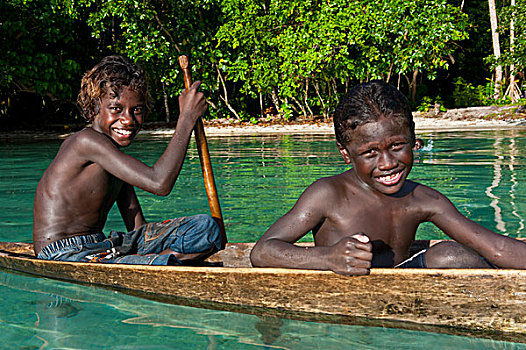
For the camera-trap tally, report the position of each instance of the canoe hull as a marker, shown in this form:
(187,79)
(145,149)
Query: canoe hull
(472,300)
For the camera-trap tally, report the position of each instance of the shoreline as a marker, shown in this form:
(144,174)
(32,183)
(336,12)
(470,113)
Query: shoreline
(466,119)
(422,125)
(462,119)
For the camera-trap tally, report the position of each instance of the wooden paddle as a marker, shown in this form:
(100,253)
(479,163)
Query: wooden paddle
(204,157)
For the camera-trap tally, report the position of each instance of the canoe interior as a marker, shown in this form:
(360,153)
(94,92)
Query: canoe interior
(234,254)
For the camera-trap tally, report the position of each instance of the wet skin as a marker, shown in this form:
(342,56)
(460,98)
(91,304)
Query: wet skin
(90,172)
(374,205)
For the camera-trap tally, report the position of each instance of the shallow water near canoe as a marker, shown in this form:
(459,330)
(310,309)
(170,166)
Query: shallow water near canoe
(39,313)
(258,179)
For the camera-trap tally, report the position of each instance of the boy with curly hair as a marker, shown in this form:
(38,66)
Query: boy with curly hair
(368,216)
(90,173)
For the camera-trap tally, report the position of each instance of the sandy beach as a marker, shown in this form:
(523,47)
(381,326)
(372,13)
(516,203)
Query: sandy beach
(423,124)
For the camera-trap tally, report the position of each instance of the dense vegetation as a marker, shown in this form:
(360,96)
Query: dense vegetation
(258,57)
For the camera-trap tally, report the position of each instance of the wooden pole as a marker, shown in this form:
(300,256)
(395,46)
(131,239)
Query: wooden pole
(204,157)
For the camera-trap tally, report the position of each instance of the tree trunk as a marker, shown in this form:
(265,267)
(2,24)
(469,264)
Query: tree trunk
(513,88)
(166,105)
(390,71)
(225,98)
(334,88)
(275,100)
(325,114)
(294,108)
(261,111)
(307,96)
(301,106)
(413,86)
(496,47)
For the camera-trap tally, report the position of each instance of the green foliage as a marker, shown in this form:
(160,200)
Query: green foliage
(155,34)
(38,48)
(427,103)
(305,52)
(43,55)
(295,56)
(517,54)
(465,94)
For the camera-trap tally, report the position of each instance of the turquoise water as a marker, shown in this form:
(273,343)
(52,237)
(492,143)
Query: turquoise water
(258,179)
(38,313)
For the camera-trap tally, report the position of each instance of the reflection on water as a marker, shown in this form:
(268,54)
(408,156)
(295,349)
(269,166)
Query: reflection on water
(501,226)
(258,179)
(480,173)
(513,190)
(47,314)
(500,153)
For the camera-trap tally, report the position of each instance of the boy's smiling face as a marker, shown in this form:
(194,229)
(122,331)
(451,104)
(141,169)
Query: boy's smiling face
(381,154)
(120,116)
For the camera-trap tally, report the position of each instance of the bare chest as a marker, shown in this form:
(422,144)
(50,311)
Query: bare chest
(393,222)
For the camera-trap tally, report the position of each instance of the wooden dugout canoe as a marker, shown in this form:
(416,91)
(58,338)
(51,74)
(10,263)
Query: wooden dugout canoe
(479,302)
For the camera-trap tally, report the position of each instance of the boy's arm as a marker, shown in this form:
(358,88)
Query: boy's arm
(350,256)
(500,250)
(130,208)
(159,178)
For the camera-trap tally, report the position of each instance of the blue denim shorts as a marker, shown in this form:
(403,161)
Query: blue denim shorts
(417,261)
(192,234)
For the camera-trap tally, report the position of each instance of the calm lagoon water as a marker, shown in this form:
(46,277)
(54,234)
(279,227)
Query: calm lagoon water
(258,179)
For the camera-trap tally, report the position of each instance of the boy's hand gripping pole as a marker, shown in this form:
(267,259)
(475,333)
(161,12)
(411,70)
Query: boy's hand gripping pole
(204,157)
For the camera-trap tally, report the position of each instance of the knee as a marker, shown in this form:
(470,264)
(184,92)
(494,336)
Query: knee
(209,227)
(205,220)
(452,255)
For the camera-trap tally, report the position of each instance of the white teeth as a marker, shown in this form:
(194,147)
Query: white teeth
(387,178)
(390,179)
(123,132)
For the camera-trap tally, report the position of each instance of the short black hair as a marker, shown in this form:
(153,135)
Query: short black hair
(366,103)
(109,76)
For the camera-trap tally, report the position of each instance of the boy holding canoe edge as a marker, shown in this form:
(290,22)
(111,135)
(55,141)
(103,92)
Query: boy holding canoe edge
(368,216)
(90,173)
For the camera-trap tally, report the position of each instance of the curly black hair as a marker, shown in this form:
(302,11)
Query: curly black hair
(109,76)
(366,103)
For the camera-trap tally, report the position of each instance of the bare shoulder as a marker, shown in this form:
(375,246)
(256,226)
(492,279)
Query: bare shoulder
(430,199)
(426,192)
(83,134)
(321,196)
(87,136)
(88,143)
(79,139)
(78,150)
(327,187)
